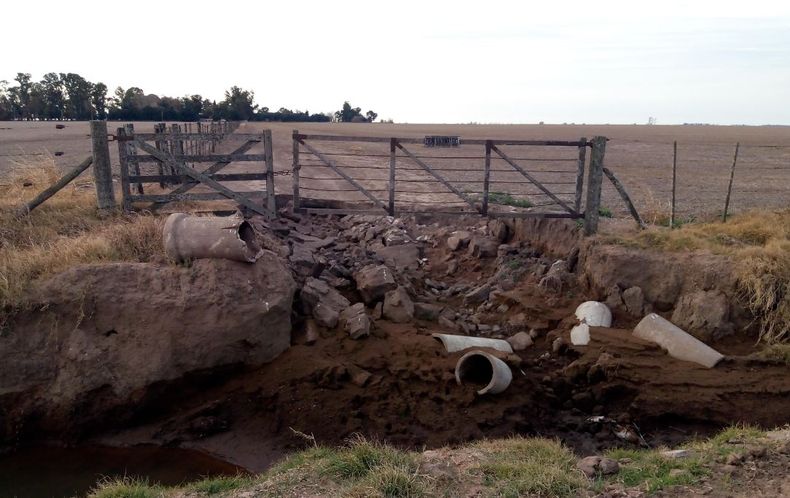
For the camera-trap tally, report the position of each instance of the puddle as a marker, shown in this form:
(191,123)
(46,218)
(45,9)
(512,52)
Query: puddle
(45,472)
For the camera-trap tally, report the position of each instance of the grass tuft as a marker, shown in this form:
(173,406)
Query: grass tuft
(64,231)
(361,456)
(528,467)
(507,199)
(126,487)
(222,484)
(777,353)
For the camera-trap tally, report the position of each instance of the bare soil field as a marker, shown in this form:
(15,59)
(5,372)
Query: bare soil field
(641,157)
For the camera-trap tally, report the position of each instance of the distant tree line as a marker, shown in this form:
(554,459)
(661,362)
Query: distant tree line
(69,96)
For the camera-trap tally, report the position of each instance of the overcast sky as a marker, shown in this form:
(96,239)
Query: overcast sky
(427,61)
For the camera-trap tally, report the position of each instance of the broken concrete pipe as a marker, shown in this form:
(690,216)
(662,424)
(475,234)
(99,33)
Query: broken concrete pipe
(479,367)
(589,313)
(195,237)
(454,343)
(678,343)
(594,314)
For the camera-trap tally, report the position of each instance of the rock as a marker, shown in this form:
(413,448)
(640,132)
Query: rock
(477,295)
(427,311)
(499,230)
(482,247)
(614,298)
(398,306)
(704,314)
(302,260)
(520,341)
(373,282)
(558,345)
(452,267)
(676,454)
(502,309)
(634,300)
(312,331)
(448,323)
(458,240)
(400,257)
(359,376)
(98,337)
(323,302)
(608,466)
(593,465)
(589,465)
(518,320)
(556,278)
(355,321)
(378,311)
(734,459)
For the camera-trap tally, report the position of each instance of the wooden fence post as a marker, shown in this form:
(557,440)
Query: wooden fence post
(131,154)
(102,172)
(674,183)
(271,201)
(393,147)
(123,157)
(486,178)
(577,204)
(594,183)
(295,169)
(729,188)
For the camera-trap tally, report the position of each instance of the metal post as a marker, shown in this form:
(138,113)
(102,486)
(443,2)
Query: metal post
(486,178)
(102,172)
(674,183)
(577,205)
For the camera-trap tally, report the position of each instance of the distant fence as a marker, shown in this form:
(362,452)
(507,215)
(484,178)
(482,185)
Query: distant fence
(675,182)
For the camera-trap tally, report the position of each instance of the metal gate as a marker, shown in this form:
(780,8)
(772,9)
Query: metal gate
(447,175)
(163,154)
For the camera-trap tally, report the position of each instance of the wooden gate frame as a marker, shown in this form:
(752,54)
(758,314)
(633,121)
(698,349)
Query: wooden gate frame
(129,141)
(590,214)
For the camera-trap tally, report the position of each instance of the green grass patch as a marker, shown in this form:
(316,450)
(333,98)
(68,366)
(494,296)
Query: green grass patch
(221,484)
(528,467)
(362,456)
(127,487)
(507,199)
(605,212)
(650,471)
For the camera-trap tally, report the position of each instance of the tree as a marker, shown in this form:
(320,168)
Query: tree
(191,108)
(20,95)
(6,107)
(238,105)
(347,113)
(371,116)
(99,100)
(78,90)
(53,96)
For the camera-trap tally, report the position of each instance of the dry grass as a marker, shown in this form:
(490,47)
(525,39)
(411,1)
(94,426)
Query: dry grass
(758,242)
(65,231)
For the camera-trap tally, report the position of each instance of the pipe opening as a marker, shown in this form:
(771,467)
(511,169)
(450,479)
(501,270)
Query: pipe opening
(246,233)
(477,369)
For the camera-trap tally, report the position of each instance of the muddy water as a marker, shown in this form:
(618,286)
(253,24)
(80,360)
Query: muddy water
(47,472)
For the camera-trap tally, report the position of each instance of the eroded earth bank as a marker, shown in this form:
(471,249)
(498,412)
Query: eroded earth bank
(329,334)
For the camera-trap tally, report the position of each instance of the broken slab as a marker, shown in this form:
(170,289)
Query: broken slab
(323,302)
(374,281)
(398,306)
(355,321)
(483,247)
(458,240)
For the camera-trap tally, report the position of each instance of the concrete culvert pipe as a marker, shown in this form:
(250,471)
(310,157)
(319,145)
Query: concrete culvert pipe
(453,343)
(485,369)
(194,237)
(678,343)
(594,314)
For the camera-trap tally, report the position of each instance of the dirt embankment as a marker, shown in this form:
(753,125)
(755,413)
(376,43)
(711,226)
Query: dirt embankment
(396,383)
